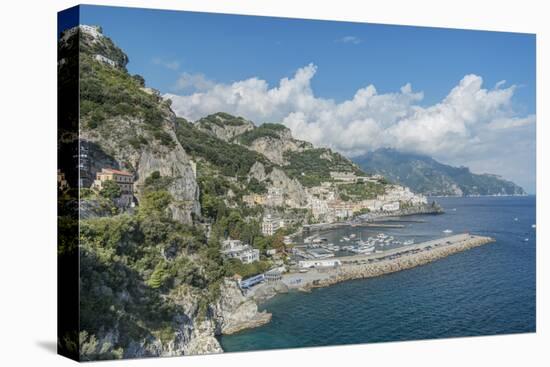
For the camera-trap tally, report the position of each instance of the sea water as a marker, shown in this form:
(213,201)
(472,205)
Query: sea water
(487,290)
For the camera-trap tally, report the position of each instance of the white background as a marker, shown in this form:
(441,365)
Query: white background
(28,182)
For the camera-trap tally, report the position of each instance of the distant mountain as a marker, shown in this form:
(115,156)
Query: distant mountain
(425,175)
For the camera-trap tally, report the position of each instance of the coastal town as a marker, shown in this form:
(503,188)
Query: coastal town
(327,208)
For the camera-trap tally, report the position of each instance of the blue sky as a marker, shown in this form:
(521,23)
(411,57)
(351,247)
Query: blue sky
(183,53)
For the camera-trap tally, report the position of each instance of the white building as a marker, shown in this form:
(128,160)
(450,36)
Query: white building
(318,206)
(324,263)
(91,30)
(105,60)
(235,249)
(270,224)
(391,207)
(343,176)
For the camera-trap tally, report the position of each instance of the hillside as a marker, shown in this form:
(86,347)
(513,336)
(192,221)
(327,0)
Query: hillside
(153,280)
(425,175)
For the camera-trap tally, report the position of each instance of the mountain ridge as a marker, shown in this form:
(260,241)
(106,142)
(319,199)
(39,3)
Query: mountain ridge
(426,175)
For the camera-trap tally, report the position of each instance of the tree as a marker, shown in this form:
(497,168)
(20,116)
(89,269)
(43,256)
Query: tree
(110,189)
(139,79)
(159,276)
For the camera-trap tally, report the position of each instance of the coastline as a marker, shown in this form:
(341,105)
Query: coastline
(365,219)
(368,266)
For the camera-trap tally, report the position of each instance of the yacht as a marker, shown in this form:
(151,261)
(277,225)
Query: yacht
(447,231)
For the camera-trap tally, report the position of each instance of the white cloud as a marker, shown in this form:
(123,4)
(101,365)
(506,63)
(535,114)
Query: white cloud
(350,39)
(172,65)
(193,82)
(470,124)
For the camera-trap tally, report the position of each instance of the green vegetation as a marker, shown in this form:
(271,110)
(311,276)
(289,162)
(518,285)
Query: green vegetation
(231,159)
(262,131)
(234,266)
(360,190)
(105,48)
(110,92)
(221,119)
(110,189)
(130,263)
(310,168)
(107,93)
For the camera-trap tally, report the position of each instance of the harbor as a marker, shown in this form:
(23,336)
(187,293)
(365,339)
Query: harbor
(322,272)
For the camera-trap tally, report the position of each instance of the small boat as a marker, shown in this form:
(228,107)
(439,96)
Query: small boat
(515,219)
(408,242)
(527,239)
(345,238)
(533,226)
(352,235)
(447,231)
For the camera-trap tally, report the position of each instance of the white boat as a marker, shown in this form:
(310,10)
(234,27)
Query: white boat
(533,226)
(447,231)
(408,242)
(516,219)
(527,239)
(352,235)
(345,238)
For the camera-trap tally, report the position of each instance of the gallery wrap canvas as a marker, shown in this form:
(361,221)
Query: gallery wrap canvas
(238,183)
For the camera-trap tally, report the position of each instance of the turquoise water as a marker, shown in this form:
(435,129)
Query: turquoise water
(484,291)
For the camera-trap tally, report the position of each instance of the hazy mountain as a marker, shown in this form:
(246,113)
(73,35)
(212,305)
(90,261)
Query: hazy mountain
(425,175)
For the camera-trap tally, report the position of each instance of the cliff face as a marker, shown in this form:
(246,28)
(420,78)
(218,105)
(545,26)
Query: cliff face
(128,127)
(234,312)
(293,190)
(274,148)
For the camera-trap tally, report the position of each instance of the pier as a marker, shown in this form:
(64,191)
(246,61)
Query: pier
(372,265)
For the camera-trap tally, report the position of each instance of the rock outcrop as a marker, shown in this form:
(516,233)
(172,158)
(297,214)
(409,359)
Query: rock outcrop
(224,126)
(294,193)
(274,148)
(235,312)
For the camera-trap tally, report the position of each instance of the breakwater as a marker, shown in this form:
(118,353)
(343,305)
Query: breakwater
(368,266)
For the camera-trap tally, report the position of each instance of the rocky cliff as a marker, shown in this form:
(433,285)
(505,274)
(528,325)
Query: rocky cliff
(234,312)
(126,126)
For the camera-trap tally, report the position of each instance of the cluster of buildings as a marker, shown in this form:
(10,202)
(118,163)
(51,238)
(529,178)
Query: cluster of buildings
(326,205)
(350,177)
(236,249)
(325,202)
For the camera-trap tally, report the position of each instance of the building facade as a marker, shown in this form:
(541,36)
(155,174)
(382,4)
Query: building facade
(270,225)
(124,180)
(235,249)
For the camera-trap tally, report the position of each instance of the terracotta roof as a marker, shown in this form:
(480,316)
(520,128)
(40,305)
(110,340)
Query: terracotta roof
(115,171)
